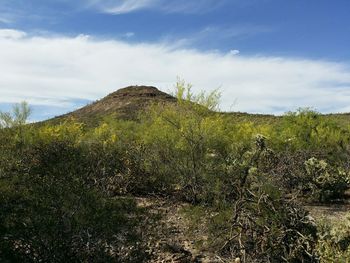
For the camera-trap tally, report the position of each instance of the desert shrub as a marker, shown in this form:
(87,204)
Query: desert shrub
(6,153)
(289,169)
(257,223)
(189,149)
(111,130)
(334,240)
(12,125)
(300,128)
(17,117)
(186,144)
(305,173)
(263,228)
(117,154)
(324,182)
(69,132)
(201,102)
(307,129)
(52,211)
(134,177)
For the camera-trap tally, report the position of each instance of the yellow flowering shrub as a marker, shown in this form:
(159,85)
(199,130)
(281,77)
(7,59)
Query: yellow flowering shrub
(67,131)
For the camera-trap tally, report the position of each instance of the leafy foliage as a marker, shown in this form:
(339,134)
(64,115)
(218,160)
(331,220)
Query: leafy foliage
(325,183)
(54,207)
(334,241)
(18,116)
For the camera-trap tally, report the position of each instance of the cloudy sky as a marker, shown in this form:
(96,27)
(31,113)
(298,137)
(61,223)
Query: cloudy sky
(266,56)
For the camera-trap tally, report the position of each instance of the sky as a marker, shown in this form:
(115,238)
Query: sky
(265,56)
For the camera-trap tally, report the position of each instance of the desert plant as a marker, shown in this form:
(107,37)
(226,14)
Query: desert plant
(18,116)
(334,240)
(52,210)
(325,183)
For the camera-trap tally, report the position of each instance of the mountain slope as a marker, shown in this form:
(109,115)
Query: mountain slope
(124,103)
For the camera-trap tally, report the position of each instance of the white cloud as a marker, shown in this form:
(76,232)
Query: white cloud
(190,6)
(178,6)
(55,71)
(212,35)
(234,52)
(123,6)
(11,34)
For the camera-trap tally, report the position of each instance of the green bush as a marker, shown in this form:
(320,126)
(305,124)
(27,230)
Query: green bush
(257,223)
(324,182)
(53,212)
(334,240)
(307,129)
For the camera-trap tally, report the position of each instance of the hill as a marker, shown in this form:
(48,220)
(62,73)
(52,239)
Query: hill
(124,103)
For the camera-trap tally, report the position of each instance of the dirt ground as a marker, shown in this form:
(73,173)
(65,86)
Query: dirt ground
(175,242)
(336,211)
(330,212)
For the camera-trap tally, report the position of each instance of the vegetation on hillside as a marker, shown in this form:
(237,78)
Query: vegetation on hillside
(67,190)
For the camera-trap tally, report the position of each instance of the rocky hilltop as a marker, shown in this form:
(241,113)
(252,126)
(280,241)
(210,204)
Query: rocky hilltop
(124,103)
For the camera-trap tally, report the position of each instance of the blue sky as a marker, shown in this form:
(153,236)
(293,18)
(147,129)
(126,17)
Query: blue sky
(267,56)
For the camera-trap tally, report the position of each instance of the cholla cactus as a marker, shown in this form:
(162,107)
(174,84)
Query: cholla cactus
(315,166)
(326,182)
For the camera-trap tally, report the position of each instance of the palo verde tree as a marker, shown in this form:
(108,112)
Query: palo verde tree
(15,120)
(17,117)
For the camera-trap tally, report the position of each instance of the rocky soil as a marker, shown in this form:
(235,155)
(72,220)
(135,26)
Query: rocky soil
(175,241)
